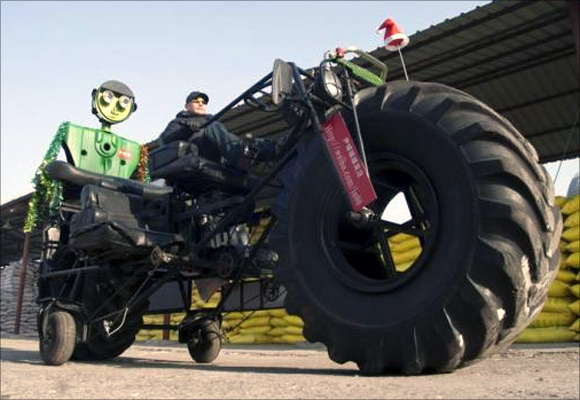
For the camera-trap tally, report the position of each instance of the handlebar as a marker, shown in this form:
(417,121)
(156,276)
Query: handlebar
(338,56)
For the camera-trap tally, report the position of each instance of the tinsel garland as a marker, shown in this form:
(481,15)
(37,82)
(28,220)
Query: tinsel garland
(144,165)
(47,191)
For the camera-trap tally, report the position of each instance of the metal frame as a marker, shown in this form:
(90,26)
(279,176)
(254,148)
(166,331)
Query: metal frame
(166,266)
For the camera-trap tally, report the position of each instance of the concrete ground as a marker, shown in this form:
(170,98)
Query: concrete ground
(164,370)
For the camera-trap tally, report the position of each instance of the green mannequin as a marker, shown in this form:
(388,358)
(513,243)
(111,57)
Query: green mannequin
(95,150)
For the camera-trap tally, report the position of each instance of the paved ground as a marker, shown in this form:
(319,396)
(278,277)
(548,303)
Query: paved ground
(164,370)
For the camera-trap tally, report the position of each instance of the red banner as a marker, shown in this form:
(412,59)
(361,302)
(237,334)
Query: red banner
(348,163)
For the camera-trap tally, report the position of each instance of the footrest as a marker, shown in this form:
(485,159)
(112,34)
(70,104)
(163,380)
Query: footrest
(198,172)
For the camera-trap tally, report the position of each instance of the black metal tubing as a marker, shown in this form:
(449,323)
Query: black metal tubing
(162,327)
(249,197)
(237,279)
(184,297)
(129,302)
(70,271)
(262,183)
(262,83)
(206,209)
(174,269)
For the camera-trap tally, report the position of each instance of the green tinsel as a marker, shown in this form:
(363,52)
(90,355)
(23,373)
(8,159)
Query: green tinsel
(47,196)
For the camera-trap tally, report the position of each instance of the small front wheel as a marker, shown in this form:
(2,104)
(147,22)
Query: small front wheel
(58,340)
(205,344)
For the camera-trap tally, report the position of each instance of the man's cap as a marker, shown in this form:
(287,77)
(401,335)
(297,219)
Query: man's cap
(194,95)
(117,87)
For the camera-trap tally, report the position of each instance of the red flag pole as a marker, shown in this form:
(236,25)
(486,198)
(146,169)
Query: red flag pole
(403,63)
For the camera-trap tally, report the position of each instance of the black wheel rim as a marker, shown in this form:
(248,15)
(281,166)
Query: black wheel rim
(362,257)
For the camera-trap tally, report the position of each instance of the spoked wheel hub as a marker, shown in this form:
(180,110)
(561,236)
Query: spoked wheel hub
(406,205)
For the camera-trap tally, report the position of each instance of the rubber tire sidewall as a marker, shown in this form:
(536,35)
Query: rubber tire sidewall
(60,349)
(207,348)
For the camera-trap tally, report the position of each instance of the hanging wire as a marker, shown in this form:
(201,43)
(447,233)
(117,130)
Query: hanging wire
(120,325)
(567,147)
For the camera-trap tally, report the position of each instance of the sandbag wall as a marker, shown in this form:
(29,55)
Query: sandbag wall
(9,286)
(558,321)
(263,326)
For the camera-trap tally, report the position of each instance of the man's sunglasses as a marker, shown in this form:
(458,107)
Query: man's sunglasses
(199,101)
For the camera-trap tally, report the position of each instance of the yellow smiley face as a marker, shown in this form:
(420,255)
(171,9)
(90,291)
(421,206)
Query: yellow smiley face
(112,107)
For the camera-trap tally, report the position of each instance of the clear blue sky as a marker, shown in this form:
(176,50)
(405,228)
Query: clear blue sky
(54,53)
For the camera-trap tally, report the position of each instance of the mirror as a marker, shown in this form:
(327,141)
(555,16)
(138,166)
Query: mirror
(281,81)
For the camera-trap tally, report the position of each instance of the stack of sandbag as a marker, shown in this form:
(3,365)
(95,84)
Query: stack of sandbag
(247,327)
(570,246)
(286,328)
(558,320)
(263,326)
(9,287)
(575,308)
(404,249)
(151,334)
(570,242)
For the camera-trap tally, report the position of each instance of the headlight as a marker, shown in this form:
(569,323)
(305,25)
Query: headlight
(329,86)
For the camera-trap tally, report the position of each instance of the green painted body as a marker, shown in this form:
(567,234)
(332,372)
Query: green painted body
(101,151)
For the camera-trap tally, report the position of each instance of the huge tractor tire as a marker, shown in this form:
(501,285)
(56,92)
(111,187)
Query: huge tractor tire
(102,345)
(480,205)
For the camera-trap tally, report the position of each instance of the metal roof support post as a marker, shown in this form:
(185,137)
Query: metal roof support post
(574,14)
(22,283)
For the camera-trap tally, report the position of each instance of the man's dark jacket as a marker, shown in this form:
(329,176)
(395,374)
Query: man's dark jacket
(183,126)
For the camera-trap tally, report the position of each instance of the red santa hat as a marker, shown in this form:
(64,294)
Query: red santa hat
(394,38)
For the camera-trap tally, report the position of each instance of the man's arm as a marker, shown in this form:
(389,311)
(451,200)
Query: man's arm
(175,130)
(182,129)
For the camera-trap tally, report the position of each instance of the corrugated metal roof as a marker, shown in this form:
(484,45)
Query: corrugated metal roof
(12,216)
(519,57)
